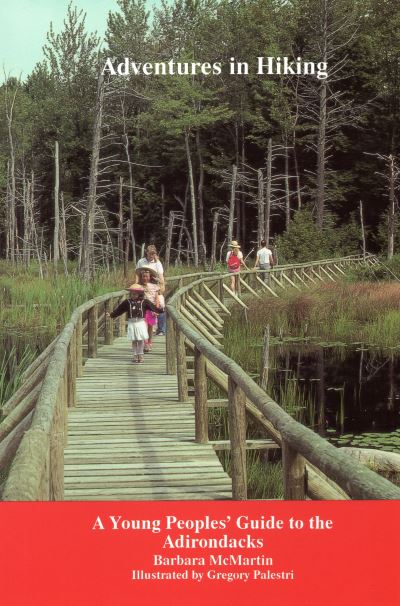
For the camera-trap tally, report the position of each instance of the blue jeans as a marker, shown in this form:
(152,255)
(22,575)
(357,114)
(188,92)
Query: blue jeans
(265,275)
(161,323)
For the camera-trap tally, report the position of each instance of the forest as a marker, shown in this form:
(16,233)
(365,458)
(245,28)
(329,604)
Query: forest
(93,165)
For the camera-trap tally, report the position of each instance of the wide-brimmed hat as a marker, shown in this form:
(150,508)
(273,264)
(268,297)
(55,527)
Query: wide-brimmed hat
(234,244)
(136,287)
(152,271)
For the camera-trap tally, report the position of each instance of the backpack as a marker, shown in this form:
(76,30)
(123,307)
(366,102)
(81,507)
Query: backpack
(233,262)
(136,309)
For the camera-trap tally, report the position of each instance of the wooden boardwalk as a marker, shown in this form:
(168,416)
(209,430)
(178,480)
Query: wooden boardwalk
(130,439)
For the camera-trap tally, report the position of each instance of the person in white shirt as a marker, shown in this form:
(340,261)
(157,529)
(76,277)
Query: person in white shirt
(151,260)
(265,260)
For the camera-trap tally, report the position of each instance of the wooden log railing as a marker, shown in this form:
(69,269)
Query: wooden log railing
(34,432)
(312,467)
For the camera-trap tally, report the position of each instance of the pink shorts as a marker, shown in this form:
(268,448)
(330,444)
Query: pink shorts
(150,318)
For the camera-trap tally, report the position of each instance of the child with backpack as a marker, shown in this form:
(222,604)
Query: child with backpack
(234,260)
(135,307)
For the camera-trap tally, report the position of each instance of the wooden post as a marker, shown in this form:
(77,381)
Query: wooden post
(121,323)
(181,369)
(170,346)
(78,344)
(237,435)
(221,290)
(200,397)
(64,396)
(265,359)
(108,324)
(71,367)
(92,331)
(293,473)
(56,492)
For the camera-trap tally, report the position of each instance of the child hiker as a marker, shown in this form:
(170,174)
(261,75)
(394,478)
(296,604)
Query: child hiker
(136,307)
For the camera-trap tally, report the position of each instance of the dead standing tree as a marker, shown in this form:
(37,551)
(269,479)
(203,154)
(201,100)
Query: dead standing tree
(391,176)
(222,212)
(10,97)
(321,101)
(86,265)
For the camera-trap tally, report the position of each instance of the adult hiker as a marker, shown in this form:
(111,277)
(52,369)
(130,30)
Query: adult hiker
(147,277)
(264,260)
(136,308)
(151,259)
(234,261)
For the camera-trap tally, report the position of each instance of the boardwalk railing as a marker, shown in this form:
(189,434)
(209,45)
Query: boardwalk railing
(311,466)
(33,434)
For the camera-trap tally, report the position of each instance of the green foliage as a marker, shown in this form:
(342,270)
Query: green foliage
(226,119)
(304,241)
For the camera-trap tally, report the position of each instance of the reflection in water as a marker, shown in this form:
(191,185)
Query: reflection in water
(354,390)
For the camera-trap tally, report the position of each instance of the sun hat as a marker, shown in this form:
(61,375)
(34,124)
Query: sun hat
(136,287)
(152,271)
(234,244)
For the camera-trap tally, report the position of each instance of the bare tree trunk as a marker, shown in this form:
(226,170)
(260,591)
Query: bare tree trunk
(63,239)
(214,240)
(130,172)
(321,141)
(232,203)
(34,236)
(169,239)
(392,208)
(287,186)
(11,223)
(121,222)
(193,199)
(126,255)
(25,201)
(241,202)
(364,248)
(162,205)
(87,260)
(184,210)
(56,241)
(131,209)
(261,202)
(267,211)
(321,144)
(203,250)
(296,172)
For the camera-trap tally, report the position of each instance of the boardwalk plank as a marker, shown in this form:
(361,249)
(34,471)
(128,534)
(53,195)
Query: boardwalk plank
(130,439)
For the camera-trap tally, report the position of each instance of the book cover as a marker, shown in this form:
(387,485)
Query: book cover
(238,161)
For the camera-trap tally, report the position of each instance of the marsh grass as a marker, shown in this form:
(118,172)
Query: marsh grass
(264,478)
(11,370)
(33,310)
(366,312)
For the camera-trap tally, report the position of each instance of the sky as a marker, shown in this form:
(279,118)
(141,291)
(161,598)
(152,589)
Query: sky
(24,24)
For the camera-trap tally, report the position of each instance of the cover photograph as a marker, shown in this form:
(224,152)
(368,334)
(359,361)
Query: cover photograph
(200,302)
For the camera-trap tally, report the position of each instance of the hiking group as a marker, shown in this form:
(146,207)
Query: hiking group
(145,306)
(234,261)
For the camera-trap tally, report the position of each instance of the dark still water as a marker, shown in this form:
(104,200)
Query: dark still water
(345,391)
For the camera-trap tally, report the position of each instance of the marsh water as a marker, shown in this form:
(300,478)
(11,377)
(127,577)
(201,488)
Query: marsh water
(349,394)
